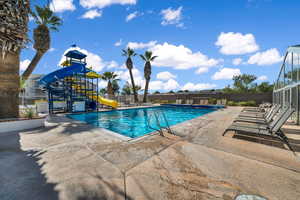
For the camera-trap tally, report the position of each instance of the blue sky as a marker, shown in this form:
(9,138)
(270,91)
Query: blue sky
(200,44)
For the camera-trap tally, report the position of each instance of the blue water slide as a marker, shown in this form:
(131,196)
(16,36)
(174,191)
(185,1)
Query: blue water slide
(63,72)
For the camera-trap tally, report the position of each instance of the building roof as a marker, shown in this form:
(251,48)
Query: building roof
(75,54)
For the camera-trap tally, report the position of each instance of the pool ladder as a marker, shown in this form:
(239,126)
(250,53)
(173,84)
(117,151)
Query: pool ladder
(159,116)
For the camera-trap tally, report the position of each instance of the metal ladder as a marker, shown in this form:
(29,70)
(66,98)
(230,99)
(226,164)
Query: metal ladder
(157,116)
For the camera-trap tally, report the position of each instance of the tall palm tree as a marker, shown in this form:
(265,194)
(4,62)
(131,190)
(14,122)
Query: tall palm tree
(148,58)
(13,37)
(46,21)
(110,77)
(130,53)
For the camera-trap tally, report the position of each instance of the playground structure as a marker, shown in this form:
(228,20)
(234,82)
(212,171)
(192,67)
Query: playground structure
(74,87)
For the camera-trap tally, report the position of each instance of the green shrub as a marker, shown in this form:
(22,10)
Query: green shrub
(232,103)
(247,103)
(29,113)
(212,101)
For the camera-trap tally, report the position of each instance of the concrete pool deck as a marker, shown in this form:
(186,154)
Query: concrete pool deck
(69,161)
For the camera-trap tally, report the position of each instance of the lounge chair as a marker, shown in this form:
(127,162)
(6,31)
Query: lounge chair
(265,125)
(267,118)
(274,129)
(219,102)
(258,114)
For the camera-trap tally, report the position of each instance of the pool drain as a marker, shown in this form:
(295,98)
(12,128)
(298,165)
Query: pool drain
(249,197)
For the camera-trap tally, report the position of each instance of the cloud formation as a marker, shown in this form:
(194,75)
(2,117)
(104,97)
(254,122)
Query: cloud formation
(165,75)
(105,3)
(180,57)
(236,43)
(91,14)
(268,57)
(226,73)
(172,17)
(62,6)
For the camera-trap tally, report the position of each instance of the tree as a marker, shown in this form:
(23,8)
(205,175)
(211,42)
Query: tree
(171,92)
(156,92)
(148,58)
(244,82)
(13,37)
(115,87)
(128,89)
(103,91)
(265,87)
(46,21)
(110,77)
(129,64)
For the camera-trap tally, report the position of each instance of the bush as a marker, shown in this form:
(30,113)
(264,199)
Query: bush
(247,103)
(232,103)
(29,113)
(212,101)
(241,103)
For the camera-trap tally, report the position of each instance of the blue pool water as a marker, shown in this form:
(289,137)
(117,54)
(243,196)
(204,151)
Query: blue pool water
(140,121)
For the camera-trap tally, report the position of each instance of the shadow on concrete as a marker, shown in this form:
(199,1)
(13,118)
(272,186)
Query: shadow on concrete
(20,173)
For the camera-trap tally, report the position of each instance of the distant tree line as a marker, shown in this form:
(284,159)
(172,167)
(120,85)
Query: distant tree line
(246,83)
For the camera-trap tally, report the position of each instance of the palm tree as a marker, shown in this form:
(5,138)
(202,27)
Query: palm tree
(110,77)
(148,58)
(130,53)
(46,21)
(13,37)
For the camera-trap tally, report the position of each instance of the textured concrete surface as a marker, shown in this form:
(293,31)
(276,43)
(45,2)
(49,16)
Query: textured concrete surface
(69,160)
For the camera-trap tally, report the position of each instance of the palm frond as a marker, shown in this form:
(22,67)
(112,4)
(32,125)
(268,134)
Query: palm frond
(143,57)
(153,58)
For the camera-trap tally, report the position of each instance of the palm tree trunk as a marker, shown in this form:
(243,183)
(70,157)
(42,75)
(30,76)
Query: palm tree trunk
(38,55)
(133,87)
(110,91)
(146,91)
(9,87)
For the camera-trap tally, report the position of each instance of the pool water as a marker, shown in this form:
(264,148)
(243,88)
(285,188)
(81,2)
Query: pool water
(140,121)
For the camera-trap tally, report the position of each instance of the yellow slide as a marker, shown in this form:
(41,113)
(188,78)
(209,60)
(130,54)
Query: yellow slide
(108,102)
(101,100)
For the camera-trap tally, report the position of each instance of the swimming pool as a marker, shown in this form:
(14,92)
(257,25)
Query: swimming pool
(135,122)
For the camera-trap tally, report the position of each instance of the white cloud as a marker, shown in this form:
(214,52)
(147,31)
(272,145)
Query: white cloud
(24,64)
(119,43)
(102,84)
(171,85)
(112,64)
(172,16)
(268,57)
(262,78)
(237,61)
(141,45)
(52,49)
(62,5)
(180,57)
(133,15)
(138,78)
(200,86)
(202,70)
(226,73)
(93,60)
(236,43)
(161,85)
(91,14)
(105,3)
(165,75)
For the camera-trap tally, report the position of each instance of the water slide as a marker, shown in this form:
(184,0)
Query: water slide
(69,71)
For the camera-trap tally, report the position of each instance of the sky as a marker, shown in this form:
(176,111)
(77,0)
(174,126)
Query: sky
(200,44)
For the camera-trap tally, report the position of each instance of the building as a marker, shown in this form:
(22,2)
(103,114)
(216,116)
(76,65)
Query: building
(287,86)
(33,91)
